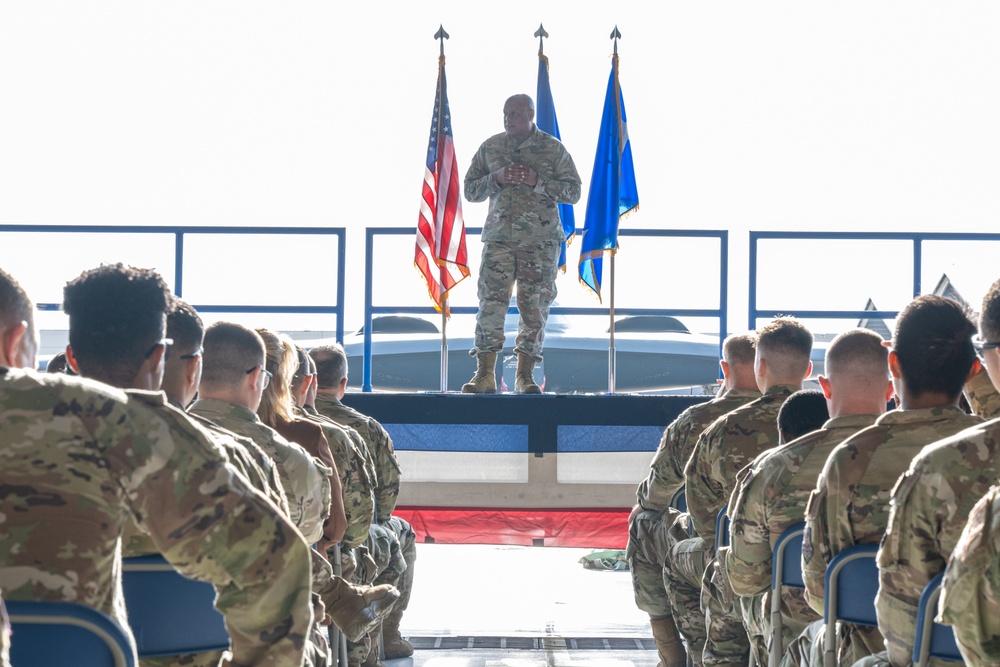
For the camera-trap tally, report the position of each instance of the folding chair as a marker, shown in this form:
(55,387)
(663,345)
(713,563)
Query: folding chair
(679,501)
(933,640)
(49,634)
(849,589)
(722,528)
(786,570)
(170,614)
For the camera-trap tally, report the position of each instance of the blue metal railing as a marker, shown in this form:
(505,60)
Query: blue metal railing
(721,313)
(180,232)
(917,239)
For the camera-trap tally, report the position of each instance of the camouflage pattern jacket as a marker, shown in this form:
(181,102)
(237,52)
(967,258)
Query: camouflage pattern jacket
(926,517)
(983,397)
(729,444)
(771,496)
(519,212)
(666,471)
(970,596)
(357,477)
(304,478)
(379,446)
(78,458)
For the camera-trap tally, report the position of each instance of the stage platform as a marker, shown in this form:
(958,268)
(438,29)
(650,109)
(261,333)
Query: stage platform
(543,470)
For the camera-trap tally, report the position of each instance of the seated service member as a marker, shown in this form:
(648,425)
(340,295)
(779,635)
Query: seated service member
(772,493)
(781,363)
(929,505)
(651,518)
(803,412)
(931,357)
(331,377)
(85,458)
(970,594)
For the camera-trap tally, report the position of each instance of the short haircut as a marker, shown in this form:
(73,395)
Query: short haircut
(58,364)
(230,350)
(312,364)
(786,343)
(303,368)
(185,327)
(276,401)
(116,315)
(15,306)
(739,349)
(989,319)
(331,365)
(803,412)
(933,342)
(857,352)
(522,98)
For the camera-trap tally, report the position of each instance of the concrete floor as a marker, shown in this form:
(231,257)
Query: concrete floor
(476,605)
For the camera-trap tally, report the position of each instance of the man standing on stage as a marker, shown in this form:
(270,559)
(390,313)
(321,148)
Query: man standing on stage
(526,174)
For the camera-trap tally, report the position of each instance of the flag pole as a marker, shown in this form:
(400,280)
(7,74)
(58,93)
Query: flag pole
(615,36)
(441,35)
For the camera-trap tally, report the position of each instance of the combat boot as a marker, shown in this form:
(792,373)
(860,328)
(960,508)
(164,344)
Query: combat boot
(393,644)
(485,379)
(668,642)
(356,610)
(524,381)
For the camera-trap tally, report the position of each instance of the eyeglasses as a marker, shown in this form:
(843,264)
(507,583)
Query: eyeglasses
(197,353)
(266,373)
(166,343)
(989,346)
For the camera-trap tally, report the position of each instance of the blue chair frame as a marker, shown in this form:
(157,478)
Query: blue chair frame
(679,500)
(849,590)
(169,613)
(63,633)
(933,640)
(722,528)
(786,570)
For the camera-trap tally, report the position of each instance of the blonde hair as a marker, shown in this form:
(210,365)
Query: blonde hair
(282,362)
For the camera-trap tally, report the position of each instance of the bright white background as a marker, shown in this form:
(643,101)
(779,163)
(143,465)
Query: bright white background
(771,115)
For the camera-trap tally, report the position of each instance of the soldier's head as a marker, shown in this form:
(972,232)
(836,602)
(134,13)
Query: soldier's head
(331,369)
(182,370)
(519,116)
(932,352)
(803,412)
(304,377)
(783,349)
(117,316)
(18,336)
(276,402)
(989,332)
(233,369)
(856,380)
(738,352)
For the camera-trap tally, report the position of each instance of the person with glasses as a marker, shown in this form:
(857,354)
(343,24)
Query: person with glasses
(82,460)
(930,504)
(234,377)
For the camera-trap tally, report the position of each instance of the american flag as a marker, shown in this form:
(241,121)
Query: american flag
(441,254)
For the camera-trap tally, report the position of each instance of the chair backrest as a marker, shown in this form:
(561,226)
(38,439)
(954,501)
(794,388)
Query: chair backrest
(170,614)
(933,640)
(786,570)
(722,528)
(679,500)
(47,634)
(849,589)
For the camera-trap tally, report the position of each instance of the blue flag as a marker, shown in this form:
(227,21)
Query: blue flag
(545,119)
(612,187)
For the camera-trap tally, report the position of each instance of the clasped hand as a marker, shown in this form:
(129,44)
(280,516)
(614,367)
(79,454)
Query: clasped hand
(517,174)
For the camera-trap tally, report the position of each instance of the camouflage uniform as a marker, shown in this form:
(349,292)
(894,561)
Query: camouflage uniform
(305,480)
(928,508)
(983,396)
(970,597)
(729,444)
(850,504)
(357,477)
(522,235)
(395,558)
(770,497)
(647,541)
(77,457)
